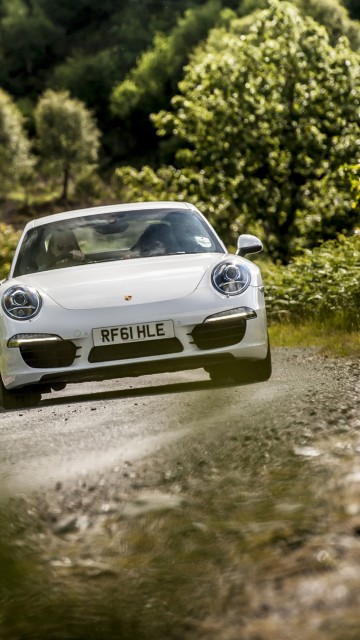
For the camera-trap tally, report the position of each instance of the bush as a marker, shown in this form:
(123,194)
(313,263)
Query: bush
(320,283)
(8,243)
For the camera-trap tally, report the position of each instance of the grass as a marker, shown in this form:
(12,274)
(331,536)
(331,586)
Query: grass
(330,336)
(45,192)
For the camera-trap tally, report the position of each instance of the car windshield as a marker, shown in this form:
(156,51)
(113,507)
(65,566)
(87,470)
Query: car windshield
(114,236)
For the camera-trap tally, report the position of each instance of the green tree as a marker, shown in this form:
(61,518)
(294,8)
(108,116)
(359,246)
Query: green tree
(330,13)
(89,78)
(266,121)
(15,157)
(159,68)
(29,41)
(151,84)
(68,138)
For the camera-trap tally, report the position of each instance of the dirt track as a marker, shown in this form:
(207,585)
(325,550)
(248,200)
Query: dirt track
(92,427)
(264,480)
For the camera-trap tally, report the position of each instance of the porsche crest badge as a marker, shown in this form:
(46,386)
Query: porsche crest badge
(127,297)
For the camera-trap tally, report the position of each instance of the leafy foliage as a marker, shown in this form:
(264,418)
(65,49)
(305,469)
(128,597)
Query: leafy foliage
(135,25)
(332,15)
(8,243)
(29,41)
(15,157)
(89,78)
(39,36)
(266,121)
(335,19)
(352,173)
(89,187)
(321,282)
(68,138)
(162,63)
(124,60)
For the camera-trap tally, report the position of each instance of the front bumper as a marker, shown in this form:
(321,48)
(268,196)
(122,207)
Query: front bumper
(77,326)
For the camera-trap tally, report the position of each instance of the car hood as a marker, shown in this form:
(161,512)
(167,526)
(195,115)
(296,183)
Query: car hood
(107,284)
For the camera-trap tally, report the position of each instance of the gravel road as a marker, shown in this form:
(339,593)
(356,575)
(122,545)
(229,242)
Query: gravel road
(93,427)
(203,511)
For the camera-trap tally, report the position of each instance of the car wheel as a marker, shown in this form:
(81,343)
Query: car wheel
(249,371)
(219,374)
(243,371)
(58,386)
(17,399)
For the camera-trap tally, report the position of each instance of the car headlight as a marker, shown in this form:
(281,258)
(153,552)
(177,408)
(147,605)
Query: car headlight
(21,302)
(230,278)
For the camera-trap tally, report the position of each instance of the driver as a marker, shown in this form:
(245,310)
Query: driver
(63,248)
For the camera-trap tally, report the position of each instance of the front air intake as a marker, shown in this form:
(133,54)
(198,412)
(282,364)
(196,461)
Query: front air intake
(49,355)
(219,334)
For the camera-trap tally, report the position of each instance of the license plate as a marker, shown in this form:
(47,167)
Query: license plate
(133,333)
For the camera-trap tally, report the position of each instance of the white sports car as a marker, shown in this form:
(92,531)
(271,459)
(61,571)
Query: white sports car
(127,290)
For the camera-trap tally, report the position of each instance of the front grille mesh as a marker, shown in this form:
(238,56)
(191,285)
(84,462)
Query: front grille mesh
(222,333)
(135,350)
(49,355)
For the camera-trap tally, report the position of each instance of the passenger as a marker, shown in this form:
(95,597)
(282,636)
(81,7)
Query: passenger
(156,240)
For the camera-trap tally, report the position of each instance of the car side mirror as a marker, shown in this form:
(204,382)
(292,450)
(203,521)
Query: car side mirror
(248,244)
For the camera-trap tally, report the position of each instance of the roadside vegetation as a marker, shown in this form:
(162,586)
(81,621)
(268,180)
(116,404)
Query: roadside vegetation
(315,300)
(8,243)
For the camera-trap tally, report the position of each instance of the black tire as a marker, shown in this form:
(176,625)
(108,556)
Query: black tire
(250,371)
(58,386)
(219,374)
(18,399)
(242,371)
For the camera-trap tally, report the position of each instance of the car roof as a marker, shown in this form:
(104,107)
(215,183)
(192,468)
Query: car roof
(112,208)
